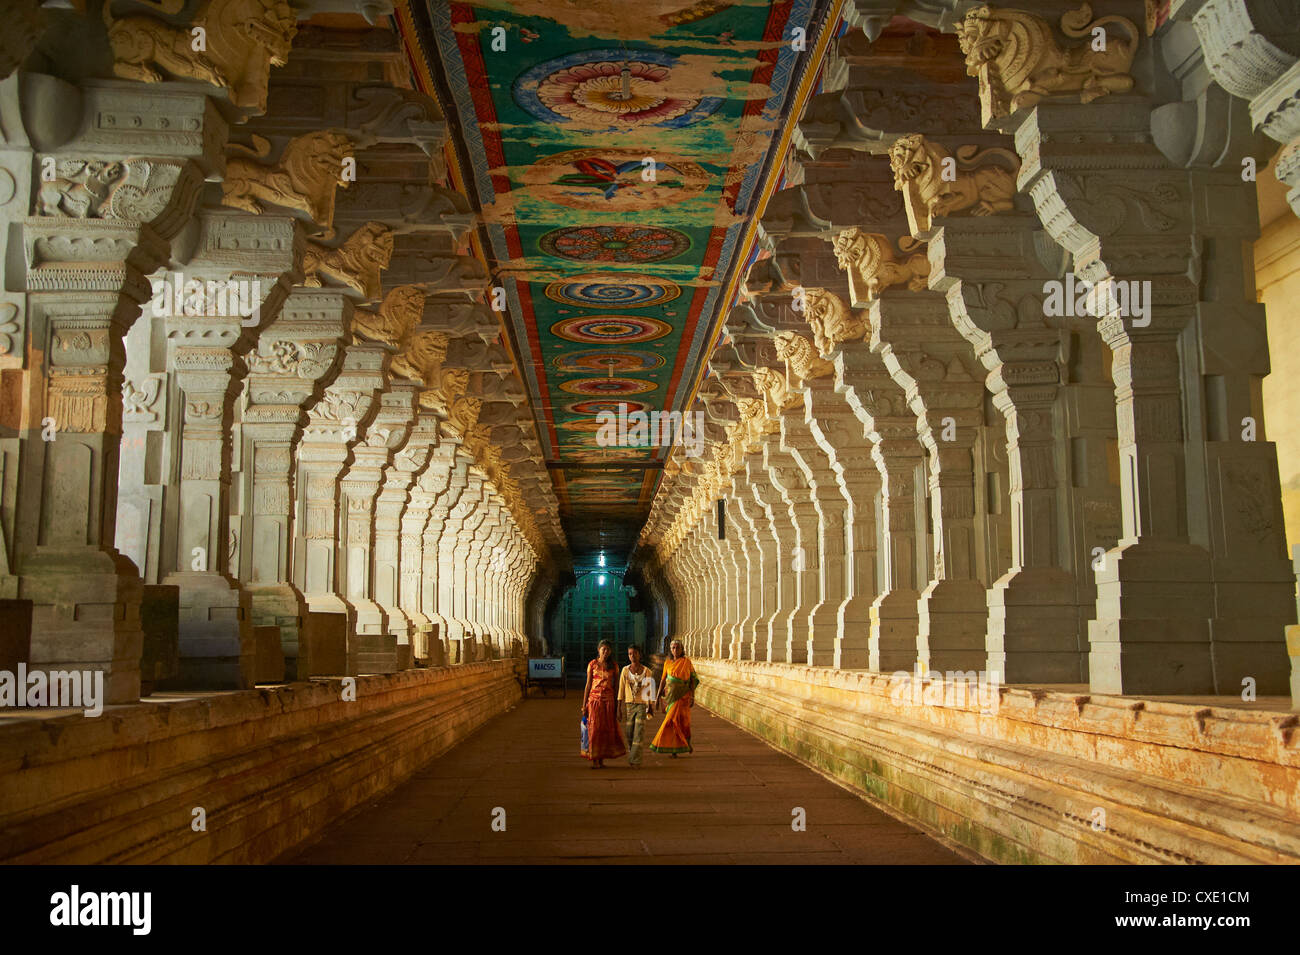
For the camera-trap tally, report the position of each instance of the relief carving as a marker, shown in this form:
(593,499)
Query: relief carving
(131,189)
(831,320)
(304,178)
(982,182)
(873,266)
(1019,63)
(423,357)
(399,312)
(800,357)
(357,263)
(243,39)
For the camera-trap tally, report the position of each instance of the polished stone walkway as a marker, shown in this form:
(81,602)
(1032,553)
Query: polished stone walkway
(730,801)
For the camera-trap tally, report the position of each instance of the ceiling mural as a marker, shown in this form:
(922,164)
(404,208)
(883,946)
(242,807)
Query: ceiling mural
(618,152)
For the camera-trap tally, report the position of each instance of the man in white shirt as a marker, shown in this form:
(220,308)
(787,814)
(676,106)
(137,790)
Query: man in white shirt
(636,699)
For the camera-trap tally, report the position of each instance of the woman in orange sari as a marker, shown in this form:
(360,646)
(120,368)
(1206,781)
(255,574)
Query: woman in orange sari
(600,707)
(677,693)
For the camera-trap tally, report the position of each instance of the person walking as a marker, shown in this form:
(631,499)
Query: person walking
(600,707)
(636,700)
(678,696)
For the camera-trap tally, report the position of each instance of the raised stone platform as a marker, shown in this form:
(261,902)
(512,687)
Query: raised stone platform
(269,767)
(1047,776)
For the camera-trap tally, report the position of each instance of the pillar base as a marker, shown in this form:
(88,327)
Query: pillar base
(282,606)
(853,645)
(1248,633)
(823,635)
(1034,627)
(952,625)
(86,615)
(894,628)
(1152,632)
(218,651)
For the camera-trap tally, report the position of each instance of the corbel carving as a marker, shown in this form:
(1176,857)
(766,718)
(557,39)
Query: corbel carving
(873,266)
(1018,62)
(304,178)
(800,357)
(357,263)
(934,182)
(242,39)
(422,358)
(398,314)
(831,321)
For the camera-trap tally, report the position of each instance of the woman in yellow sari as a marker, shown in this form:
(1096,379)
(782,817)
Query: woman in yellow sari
(677,693)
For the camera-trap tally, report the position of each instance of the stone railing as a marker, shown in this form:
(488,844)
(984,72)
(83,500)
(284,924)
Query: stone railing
(1042,776)
(269,768)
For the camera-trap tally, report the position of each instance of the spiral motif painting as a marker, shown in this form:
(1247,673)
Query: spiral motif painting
(605,290)
(609,361)
(605,387)
(608,89)
(614,243)
(611,329)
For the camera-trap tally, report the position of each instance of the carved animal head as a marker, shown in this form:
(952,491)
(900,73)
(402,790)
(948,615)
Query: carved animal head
(830,320)
(423,357)
(314,161)
(273,31)
(982,36)
(401,310)
(799,355)
(911,158)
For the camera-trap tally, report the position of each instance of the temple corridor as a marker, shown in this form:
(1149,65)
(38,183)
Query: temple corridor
(928,371)
(732,801)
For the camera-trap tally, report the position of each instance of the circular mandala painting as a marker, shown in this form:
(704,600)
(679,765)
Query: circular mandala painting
(614,243)
(597,291)
(605,387)
(611,329)
(609,361)
(596,406)
(614,179)
(610,89)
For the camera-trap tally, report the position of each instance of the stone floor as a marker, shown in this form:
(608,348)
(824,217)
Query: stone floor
(730,801)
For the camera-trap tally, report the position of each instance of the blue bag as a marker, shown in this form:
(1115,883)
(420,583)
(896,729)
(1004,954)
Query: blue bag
(583,729)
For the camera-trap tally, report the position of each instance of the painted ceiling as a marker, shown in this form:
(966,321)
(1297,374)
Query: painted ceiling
(618,151)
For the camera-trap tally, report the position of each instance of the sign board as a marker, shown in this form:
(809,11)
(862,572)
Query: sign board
(544,672)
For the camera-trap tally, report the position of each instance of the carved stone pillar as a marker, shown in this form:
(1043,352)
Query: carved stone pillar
(375,649)
(254,259)
(921,349)
(88,245)
(780,581)
(296,358)
(1197,594)
(878,402)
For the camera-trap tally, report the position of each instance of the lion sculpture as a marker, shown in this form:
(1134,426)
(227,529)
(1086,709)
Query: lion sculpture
(936,183)
(1019,63)
(357,263)
(241,41)
(304,179)
(800,356)
(869,259)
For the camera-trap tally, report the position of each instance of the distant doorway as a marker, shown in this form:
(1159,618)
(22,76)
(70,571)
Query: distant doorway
(596,608)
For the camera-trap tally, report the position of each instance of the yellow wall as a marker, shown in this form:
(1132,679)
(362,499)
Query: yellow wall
(1277,275)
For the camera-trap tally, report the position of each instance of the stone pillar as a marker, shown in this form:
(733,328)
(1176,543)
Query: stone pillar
(805,555)
(334,426)
(780,582)
(1196,596)
(924,354)
(375,650)
(296,358)
(446,520)
(216,635)
(88,249)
